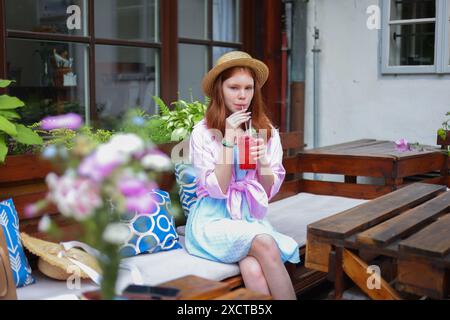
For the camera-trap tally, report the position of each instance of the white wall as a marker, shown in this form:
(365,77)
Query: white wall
(355,100)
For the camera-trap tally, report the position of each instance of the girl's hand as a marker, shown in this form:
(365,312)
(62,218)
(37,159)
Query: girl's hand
(235,120)
(259,152)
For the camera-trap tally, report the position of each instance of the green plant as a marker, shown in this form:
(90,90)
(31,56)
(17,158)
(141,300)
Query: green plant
(9,128)
(442,132)
(177,124)
(67,137)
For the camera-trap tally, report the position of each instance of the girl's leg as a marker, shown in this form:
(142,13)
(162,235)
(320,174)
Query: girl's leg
(265,250)
(253,275)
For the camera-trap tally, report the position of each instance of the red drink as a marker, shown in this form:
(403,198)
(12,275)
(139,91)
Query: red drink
(246,161)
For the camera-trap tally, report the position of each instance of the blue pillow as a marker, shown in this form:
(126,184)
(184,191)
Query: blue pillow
(186,180)
(20,267)
(153,231)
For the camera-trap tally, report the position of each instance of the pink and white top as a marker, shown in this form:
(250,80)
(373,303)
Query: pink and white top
(205,146)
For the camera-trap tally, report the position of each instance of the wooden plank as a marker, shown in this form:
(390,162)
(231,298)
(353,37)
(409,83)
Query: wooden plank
(347,165)
(422,278)
(368,214)
(287,189)
(317,253)
(423,164)
(350,190)
(234,282)
(196,288)
(340,146)
(356,269)
(243,294)
(434,240)
(290,164)
(291,140)
(406,223)
(25,167)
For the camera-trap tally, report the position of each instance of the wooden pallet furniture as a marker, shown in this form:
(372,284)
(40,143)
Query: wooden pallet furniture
(406,234)
(374,159)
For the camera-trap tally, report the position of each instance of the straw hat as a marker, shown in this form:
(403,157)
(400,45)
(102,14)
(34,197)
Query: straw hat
(234,59)
(53,259)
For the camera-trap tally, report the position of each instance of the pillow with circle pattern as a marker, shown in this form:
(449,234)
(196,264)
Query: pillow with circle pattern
(187,182)
(152,231)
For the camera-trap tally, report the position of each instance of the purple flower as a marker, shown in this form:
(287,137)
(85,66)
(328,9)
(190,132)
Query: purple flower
(70,121)
(132,187)
(97,170)
(402,145)
(141,204)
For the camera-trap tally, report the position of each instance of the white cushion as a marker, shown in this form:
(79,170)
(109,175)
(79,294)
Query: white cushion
(292,215)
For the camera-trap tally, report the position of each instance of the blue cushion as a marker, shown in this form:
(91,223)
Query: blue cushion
(186,180)
(20,267)
(153,231)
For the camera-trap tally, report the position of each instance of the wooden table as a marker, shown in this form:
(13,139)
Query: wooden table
(198,288)
(370,158)
(405,233)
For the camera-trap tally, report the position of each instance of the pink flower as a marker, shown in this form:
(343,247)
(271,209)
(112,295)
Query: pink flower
(402,145)
(141,204)
(70,121)
(98,169)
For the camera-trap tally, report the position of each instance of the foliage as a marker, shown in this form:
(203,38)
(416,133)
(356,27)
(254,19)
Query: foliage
(67,137)
(9,127)
(177,124)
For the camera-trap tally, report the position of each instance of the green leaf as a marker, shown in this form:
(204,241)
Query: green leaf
(27,136)
(179,134)
(8,103)
(3,149)
(10,115)
(7,126)
(162,106)
(5,83)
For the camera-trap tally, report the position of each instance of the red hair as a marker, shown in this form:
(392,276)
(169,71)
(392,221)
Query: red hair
(217,112)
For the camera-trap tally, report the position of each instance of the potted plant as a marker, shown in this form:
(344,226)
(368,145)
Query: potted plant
(443,134)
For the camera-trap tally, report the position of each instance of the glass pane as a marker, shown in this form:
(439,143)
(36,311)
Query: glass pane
(193,64)
(226,25)
(412,9)
(47,16)
(219,51)
(412,45)
(50,77)
(127,19)
(125,78)
(448,29)
(193,19)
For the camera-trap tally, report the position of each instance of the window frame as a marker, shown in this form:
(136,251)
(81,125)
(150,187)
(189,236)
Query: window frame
(441,52)
(210,43)
(91,41)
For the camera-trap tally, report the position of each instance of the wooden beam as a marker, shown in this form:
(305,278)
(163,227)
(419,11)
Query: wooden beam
(169,50)
(356,269)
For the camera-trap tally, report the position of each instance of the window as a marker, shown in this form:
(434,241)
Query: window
(98,71)
(415,36)
(116,56)
(206,32)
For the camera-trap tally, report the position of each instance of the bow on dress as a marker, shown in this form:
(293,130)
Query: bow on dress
(255,194)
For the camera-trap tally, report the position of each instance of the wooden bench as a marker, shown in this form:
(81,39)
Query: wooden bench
(22,178)
(405,233)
